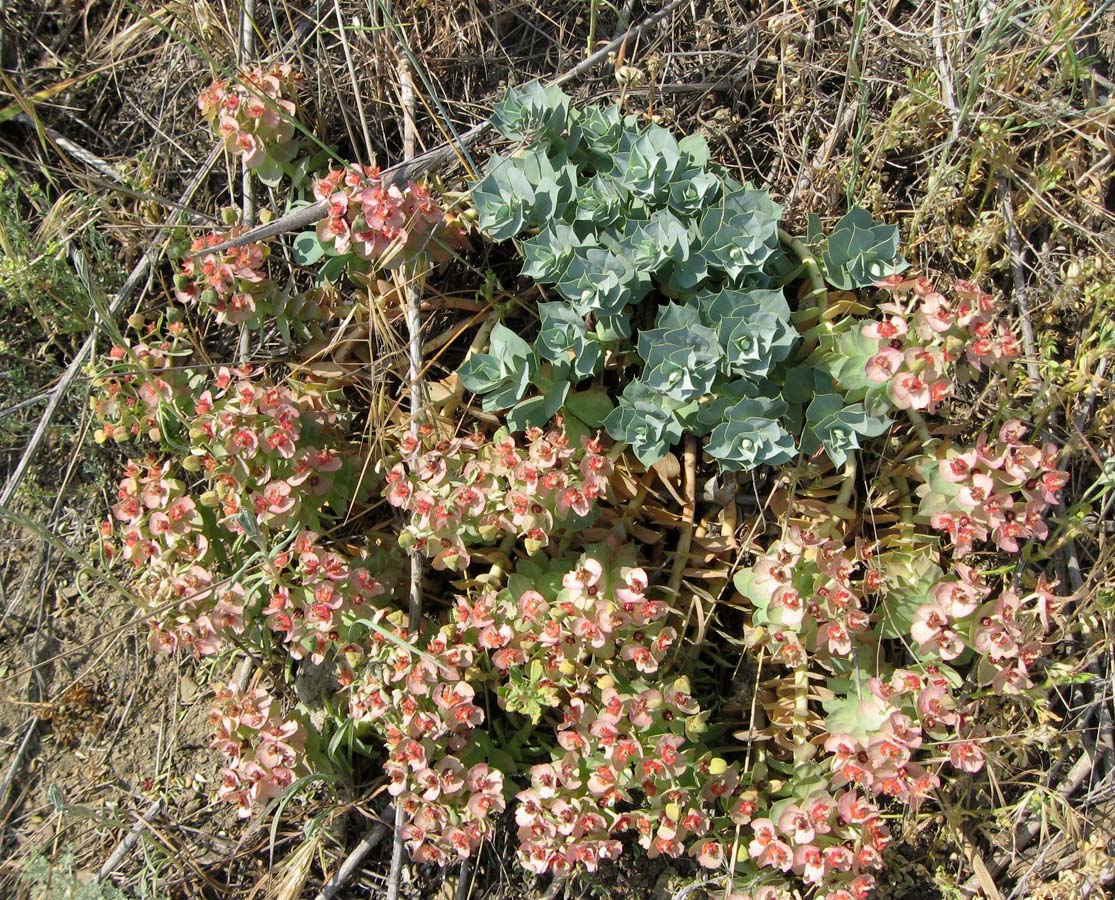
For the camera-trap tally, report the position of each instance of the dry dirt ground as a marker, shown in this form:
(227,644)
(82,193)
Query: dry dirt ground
(986,130)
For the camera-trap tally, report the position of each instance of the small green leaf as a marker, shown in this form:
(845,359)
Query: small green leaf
(270,172)
(307,249)
(591,407)
(334,270)
(859,714)
(527,413)
(696,147)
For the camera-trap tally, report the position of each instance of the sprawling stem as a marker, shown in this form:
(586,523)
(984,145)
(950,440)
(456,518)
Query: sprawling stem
(918,421)
(847,485)
(815,303)
(818,293)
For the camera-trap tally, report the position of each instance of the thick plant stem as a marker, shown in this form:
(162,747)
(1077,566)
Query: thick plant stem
(689,515)
(803,750)
(847,486)
(818,293)
(815,303)
(918,421)
(617,450)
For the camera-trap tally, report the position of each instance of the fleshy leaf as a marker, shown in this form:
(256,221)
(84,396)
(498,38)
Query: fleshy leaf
(751,435)
(645,420)
(860,252)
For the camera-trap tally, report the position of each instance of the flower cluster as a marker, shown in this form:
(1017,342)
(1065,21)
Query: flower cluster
(427,715)
(270,459)
(232,283)
(276,451)
(1006,632)
(583,647)
(830,842)
(467,490)
(573,646)
(808,597)
(384,223)
(925,333)
(163,537)
(135,385)
(817,601)
(255,114)
(321,601)
(630,766)
(265,751)
(997,491)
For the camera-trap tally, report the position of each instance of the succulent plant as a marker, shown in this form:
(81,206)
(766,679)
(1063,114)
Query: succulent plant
(682,356)
(859,252)
(564,339)
(522,191)
(739,235)
(596,135)
(600,281)
(654,243)
(501,376)
(600,202)
(648,163)
(836,427)
(751,434)
(753,327)
(646,420)
(548,253)
(532,111)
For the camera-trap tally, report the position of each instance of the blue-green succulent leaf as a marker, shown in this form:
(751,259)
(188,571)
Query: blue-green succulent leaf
(599,281)
(599,201)
(838,428)
(751,435)
(532,111)
(548,253)
(860,252)
(501,377)
(644,419)
(695,148)
(564,338)
(685,276)
(739,235)
(610,329)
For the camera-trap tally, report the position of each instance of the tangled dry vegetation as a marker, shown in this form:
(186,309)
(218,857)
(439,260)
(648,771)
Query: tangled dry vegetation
(983,131)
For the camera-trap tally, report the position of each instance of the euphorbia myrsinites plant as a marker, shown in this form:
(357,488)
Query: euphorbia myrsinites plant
(550,687)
